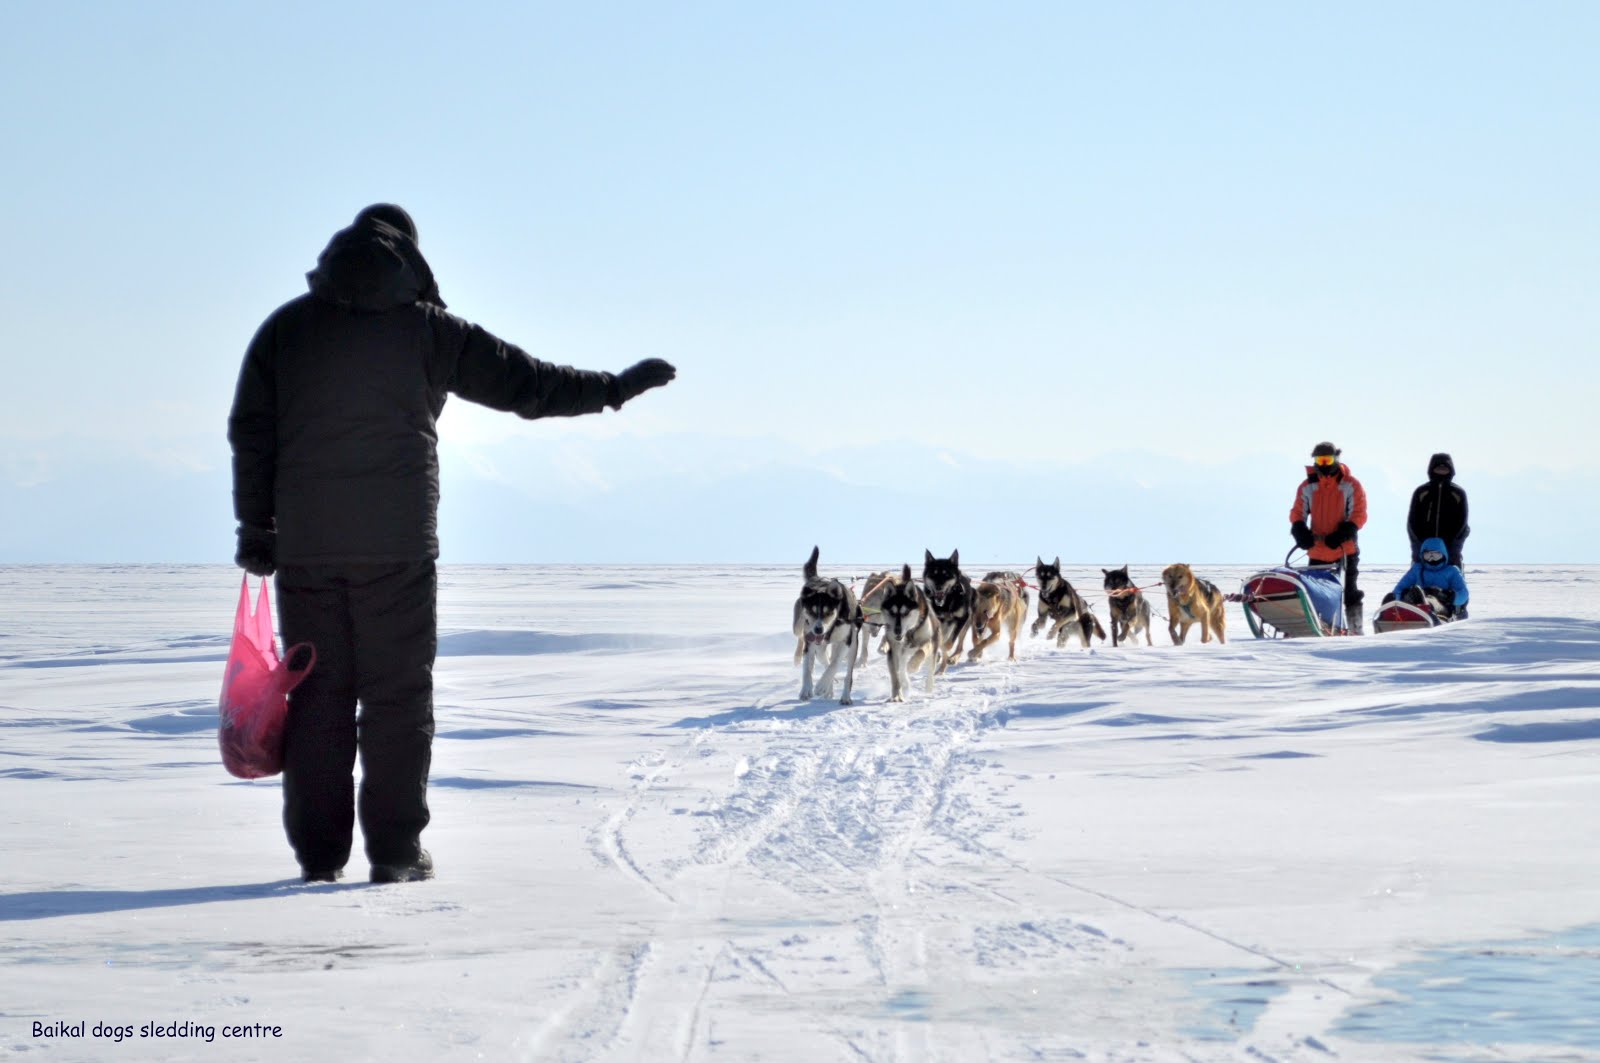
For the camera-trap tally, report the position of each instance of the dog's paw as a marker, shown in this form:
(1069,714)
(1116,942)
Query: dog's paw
(846,700)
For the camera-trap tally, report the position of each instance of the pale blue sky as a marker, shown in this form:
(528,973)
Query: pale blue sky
(1032,241)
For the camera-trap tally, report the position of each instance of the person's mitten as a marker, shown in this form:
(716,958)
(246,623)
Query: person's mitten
(639,378)
(257,550)
(1340,535)
(1302,535)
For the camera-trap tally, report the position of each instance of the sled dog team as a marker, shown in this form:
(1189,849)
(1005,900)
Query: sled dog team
(923,623)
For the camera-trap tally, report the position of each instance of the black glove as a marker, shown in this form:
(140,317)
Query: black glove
(1339,536)
(1387,598)
(639,378)
(1302,535)
(257,550)
(1446,596)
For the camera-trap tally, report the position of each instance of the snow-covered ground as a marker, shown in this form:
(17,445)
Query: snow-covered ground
(1365,848)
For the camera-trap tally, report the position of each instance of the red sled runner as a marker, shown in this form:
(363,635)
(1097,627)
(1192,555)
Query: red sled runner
(254,704)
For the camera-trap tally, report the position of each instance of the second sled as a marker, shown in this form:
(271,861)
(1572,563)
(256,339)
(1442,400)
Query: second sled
(1403,616)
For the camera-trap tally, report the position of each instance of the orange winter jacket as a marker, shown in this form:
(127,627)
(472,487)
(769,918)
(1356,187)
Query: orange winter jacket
(1330,501)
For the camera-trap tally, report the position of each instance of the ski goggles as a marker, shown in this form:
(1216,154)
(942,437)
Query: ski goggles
(1432,557)
(1325,460)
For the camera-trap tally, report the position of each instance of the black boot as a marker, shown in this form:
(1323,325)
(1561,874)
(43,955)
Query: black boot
(419,869)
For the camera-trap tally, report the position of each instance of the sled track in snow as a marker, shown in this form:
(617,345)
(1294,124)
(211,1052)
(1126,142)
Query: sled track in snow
(877,809)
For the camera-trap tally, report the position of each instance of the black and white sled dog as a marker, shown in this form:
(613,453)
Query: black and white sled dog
(1130,613)
(950,592)
(911,627)
(1061,606)
(827,620)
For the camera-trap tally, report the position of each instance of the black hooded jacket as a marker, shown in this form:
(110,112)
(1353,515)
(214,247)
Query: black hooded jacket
(1438,507)
(333,426)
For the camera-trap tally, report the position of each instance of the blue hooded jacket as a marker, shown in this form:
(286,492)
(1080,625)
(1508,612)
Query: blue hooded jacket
(1441,575)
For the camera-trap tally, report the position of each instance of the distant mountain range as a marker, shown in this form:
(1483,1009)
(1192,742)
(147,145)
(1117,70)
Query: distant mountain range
(538,497)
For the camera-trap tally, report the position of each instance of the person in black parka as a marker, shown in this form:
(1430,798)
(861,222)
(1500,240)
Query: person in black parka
(1438,509)
(336,489)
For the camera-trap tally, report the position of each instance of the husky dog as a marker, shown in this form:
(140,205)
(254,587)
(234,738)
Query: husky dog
(826,620)
(1000,601)
(950,592)
(1130,613)
(1064,607)
(1191,601)
(872,593)
(911,627)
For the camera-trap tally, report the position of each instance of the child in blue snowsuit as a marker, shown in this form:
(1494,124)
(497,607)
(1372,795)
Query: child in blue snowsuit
(1433,576)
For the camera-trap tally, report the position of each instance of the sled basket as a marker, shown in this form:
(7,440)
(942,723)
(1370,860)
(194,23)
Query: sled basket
(1403,616)
(1288,602)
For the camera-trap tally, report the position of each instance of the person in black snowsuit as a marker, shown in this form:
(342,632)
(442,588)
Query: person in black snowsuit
(336,489)
(1438,510)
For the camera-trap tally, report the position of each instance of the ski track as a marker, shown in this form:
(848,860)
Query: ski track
(607,841)
(868,802)
(849,801)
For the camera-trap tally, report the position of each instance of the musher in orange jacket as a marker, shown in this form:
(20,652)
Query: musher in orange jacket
(1329,509)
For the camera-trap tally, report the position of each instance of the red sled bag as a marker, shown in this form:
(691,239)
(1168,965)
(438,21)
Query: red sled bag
(255,690)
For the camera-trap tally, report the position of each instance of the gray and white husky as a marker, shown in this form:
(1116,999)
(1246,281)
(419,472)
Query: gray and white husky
(1130,613)
(1061,606)
(827,620)
(912,630)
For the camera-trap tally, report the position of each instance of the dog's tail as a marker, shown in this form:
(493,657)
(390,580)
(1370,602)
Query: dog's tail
(1098,630)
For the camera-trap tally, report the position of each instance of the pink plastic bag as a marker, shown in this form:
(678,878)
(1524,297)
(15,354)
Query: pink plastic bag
(254,704)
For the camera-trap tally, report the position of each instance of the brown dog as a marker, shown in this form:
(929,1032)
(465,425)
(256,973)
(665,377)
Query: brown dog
(1191,601)
(1001,601)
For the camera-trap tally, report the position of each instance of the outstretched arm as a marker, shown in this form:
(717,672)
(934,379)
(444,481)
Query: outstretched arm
(482,368)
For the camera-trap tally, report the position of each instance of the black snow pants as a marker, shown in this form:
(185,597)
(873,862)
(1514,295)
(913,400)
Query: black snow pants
(1353,596)
(375,629)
